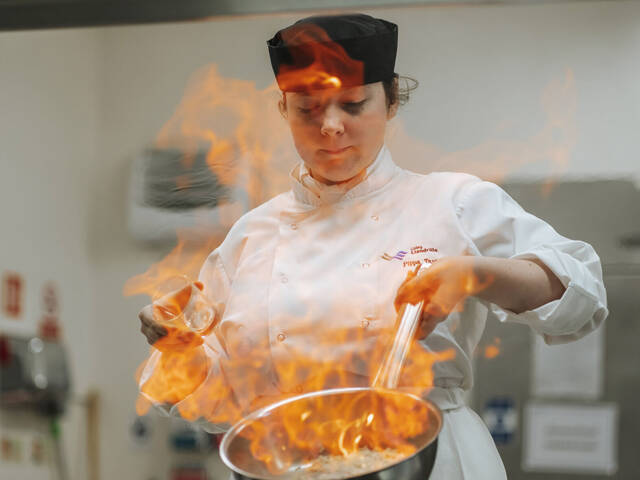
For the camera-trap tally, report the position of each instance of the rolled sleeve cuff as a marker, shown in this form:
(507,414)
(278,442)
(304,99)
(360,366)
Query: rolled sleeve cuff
(566,319)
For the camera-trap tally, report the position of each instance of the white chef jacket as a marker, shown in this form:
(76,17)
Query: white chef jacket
(336,258)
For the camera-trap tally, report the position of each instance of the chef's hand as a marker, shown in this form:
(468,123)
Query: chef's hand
(155,321)
(442,286)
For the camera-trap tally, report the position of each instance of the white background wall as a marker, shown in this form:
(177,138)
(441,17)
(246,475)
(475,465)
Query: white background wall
(78,105)
(49,112)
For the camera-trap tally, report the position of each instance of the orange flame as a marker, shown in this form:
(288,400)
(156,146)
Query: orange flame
(183,375)
(309,427)
(550,146)
(242,131)
(253,150)
(327,64)
(492,350)
(169,274)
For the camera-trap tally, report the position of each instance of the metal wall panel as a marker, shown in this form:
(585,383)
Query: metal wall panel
(600,213)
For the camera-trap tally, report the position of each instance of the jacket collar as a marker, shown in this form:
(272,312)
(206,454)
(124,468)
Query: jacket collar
(309,191)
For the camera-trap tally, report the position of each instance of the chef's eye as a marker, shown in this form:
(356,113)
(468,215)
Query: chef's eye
(308,110)
(353,107)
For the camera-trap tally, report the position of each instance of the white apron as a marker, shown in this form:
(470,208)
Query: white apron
(466,449)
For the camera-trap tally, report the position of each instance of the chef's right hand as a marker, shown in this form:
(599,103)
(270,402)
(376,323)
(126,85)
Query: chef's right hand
(156,321)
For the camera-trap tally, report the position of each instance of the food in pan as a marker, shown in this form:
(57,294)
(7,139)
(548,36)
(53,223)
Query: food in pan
(364,460)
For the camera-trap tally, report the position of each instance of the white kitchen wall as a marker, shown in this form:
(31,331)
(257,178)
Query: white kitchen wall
(48,132)
(78,105)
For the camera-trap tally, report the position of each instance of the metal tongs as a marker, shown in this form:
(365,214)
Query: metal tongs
(389,371)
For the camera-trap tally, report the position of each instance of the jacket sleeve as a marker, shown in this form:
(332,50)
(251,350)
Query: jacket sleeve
(496,226)
(192,384)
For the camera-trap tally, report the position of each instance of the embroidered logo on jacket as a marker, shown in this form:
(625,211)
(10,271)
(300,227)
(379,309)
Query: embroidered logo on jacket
(412,257)
(398,256)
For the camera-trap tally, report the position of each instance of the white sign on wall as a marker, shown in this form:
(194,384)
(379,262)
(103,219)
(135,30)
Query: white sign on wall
(573,370)
(572,438)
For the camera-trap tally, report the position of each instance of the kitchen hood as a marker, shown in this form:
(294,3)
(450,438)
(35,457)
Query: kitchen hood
(40,14)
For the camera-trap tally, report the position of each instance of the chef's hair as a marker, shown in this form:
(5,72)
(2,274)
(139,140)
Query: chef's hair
(398,89)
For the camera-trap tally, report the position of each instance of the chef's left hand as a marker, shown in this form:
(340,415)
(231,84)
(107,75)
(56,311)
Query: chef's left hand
(442,287)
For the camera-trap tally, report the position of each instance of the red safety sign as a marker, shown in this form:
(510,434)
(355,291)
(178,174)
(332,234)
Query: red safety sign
(12,295)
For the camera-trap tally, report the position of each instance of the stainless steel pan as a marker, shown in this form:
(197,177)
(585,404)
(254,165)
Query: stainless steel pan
(326,405)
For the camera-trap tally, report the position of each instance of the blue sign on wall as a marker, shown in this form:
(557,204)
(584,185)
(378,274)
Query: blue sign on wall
(501,417)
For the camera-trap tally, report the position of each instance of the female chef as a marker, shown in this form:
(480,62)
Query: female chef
(336,248)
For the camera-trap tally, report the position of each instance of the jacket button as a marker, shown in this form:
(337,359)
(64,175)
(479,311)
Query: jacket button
(281,337)
(294,226)
(365,323)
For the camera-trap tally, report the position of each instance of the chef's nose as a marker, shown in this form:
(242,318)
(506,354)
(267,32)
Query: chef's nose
(332,124)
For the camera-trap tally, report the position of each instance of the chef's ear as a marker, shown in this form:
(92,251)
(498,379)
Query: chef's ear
(282,105)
